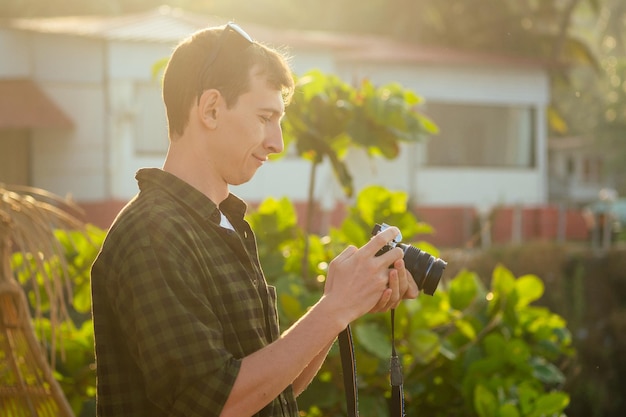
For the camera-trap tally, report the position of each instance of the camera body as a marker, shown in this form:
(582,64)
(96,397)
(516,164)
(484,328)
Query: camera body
(425,269)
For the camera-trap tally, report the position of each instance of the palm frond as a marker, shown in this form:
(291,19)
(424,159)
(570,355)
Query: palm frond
(29,218)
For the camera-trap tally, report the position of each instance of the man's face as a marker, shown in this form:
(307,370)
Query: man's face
(248,132)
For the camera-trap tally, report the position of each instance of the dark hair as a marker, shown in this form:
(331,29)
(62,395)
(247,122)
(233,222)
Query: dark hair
(229,73)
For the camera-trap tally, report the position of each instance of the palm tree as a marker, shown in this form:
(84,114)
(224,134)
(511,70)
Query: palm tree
(28,220)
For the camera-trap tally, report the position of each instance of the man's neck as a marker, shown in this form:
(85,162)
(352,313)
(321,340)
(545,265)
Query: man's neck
(190,170)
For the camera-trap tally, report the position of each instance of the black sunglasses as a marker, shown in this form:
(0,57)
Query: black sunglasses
(232,34)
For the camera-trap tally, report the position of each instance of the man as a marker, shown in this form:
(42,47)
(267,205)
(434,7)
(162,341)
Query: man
(185,323)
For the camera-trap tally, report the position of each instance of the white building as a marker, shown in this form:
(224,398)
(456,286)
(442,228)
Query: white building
(91,77)
(577,171)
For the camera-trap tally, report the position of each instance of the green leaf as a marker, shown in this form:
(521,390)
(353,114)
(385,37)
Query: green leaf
(550,404)
(371,337)
(158,67)
(463,290)
(466,329)
(508,410)
(495,345)
(281,212)
(290,306)
(527,395)
(82,299)
(546,372)
(517,352)
(485,402)
(448,351)
(504,296)
(503,281)
(529,288)
(425,345)
(556,120)
(374,404)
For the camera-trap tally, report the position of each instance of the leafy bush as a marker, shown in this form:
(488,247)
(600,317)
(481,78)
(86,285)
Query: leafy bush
(468,350)
(588,288)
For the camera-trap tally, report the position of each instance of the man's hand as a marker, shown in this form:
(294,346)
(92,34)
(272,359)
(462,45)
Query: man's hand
(358,281)
(401,285)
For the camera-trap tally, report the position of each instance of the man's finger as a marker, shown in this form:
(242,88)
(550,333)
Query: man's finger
(382,303)
(377,242)
(394,284)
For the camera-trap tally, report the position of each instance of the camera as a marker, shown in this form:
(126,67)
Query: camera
(425,269)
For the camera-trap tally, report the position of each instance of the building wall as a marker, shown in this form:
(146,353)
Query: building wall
(69,70)
(97,83)
(459,83)
(480,187)
(130,64)
(15,52)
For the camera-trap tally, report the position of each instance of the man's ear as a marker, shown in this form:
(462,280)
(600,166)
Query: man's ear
(208,108)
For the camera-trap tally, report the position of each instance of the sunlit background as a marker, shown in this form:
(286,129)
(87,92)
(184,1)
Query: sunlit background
(528,97)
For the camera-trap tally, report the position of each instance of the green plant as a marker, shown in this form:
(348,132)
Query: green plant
(71,345)
(327,117)
(471,349)
(468,350)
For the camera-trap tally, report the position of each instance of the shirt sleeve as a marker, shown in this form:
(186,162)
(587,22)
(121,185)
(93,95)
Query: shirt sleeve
(172,331)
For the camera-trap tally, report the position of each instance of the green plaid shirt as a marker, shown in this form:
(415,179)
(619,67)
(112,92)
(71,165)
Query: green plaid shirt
(178,301)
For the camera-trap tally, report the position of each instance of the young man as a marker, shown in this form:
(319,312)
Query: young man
(185,323)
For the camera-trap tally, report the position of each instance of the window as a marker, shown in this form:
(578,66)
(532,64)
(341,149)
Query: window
(150,124)
(592,168)
(481,135)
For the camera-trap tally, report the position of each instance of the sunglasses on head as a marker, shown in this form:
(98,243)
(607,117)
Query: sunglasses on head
(233,35)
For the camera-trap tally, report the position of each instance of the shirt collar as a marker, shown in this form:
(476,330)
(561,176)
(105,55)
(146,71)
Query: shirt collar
(155,178)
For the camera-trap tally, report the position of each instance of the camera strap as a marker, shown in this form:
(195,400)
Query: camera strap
(348,365)
(396,406)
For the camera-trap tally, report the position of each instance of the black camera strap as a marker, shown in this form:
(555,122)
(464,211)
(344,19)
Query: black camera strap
(396,406)
(348,364)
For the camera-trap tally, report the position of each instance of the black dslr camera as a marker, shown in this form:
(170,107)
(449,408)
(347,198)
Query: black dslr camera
(425,269)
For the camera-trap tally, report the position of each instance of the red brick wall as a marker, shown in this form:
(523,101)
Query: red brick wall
(537,223)
(454,226)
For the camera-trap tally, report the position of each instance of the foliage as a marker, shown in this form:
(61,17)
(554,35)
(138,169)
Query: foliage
(586,287)
(468,350)
(327,117)
(73,350)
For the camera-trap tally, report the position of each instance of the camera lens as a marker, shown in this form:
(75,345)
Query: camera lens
(425,269)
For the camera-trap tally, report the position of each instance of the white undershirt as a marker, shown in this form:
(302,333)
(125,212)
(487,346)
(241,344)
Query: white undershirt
(225,223)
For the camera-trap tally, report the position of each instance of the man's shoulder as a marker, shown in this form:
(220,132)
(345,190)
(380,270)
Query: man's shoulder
(147,218)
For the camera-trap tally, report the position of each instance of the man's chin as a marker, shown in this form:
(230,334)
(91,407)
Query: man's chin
(241,181)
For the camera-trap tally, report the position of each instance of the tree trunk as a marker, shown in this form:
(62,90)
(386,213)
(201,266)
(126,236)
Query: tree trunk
(310,208)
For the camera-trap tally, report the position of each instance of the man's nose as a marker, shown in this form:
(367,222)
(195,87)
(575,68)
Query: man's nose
(274,141)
